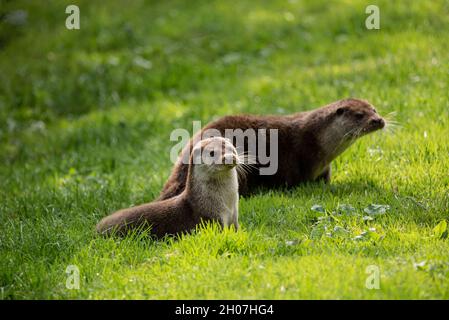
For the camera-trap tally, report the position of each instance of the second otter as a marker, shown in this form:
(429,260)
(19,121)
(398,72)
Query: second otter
(307,143)
(210,194)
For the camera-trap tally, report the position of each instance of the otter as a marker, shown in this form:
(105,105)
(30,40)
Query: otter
(307,144)
(210,194)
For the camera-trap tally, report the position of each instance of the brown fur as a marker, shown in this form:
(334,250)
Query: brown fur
(211,194)
(307,143)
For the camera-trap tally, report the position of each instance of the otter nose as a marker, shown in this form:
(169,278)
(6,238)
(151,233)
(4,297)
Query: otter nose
(378,122)
(230,159)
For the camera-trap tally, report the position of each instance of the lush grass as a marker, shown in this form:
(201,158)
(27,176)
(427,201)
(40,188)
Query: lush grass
(85,119)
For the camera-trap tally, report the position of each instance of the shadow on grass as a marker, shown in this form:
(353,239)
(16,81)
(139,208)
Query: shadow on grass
(312,189)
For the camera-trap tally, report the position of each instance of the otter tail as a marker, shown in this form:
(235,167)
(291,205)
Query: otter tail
(118,223)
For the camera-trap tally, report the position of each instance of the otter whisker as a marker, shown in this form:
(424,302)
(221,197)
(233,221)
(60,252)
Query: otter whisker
(391,114)
(246,168)
(247,159)
(246,154)
(390,124)
(241,171)
(390,117)
(349,133)
(242,152)
(392,128)
(248,164)
(390,120)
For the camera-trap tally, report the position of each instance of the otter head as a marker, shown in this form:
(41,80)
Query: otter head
(357,117)
(213,157)
(348,120)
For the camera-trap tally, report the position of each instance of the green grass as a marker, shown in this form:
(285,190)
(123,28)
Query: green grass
(85,119)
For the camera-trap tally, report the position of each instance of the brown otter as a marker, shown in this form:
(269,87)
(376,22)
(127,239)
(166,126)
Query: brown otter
(211,194)
(307,143)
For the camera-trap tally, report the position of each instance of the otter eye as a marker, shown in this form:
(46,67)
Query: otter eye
(374,110)
(340,111)
(359,115)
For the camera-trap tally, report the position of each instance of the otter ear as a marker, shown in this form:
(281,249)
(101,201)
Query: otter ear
(340,111)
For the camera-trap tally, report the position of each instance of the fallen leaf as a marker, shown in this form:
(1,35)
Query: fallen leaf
(377,209)
(318,208)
